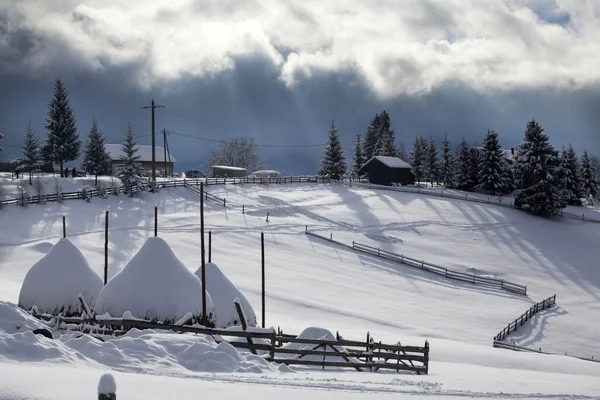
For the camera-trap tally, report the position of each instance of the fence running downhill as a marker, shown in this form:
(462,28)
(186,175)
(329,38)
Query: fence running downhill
(429,267)
(513,326)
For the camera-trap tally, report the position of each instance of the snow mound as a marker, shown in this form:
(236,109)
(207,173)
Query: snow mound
(315,333)
(54,283)
(13,319)
(107,384)
(154,285)
(223,292)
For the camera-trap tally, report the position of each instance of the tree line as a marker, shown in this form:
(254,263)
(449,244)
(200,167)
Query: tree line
(543,179)
(62,144)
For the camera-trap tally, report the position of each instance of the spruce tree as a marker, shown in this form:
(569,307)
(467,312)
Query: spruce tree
(371,138)
(130,172)
(358,159)
(491,175)
(386,145)
(95,160)
(571,176)
(62,141)
(589,175)
(333,163)
(432,168)
(536,171)
(31,160)
(418,158)
(446,170)
(463,166)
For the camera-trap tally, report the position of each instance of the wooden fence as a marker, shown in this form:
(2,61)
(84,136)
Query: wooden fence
(429,267)
(466,197)
(273,345)
(513,326)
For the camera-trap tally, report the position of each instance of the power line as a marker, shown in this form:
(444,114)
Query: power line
(257,145)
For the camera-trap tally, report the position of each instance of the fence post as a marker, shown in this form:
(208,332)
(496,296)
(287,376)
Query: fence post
(209,246)
(262,261)
(224,202)
(107,388)
(64,227)
(267,216)
(331,237)
(106,248)
(243,209)
(155,221)
(426,358)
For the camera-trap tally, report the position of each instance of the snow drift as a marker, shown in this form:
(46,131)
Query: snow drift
(154,285)
(54,283)
(223,292)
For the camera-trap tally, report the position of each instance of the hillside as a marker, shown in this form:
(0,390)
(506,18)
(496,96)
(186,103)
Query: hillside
(311,282)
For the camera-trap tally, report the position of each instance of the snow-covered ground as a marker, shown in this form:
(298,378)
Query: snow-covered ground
(311,282)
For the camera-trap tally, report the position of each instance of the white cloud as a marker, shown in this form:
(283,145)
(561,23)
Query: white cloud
(408,46)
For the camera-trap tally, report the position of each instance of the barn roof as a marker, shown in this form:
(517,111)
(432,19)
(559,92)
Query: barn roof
(226,167)
(115,152)
(392,162)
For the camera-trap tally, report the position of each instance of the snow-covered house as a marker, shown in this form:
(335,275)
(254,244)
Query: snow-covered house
(115,152)
(154,285)
(223,293)
(383,170)
(54,283)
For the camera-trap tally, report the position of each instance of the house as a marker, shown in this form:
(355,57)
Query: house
(115,152)
(387,171)
(223,171)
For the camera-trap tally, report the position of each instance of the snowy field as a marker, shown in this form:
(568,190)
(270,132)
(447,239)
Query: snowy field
(311,282)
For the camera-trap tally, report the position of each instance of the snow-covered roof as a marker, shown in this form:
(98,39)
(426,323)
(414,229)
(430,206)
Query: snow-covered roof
(54,283)
(267,172)
(115,151)
(392,162)
(223,293)
(229,168)
(154,285)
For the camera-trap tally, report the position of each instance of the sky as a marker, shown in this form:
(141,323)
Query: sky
(279,71)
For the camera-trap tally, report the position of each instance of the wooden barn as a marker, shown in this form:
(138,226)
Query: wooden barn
(387,171)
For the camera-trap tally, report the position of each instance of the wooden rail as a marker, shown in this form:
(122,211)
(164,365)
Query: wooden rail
(429,267)
(339,353)
(514,325)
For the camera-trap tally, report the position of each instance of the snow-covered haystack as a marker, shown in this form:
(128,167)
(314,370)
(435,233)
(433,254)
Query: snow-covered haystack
(54,283)
(155,286)
(223,293)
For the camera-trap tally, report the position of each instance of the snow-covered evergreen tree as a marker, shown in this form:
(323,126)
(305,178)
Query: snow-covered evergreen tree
(491,168)
(333,163)
(418,158)
(1,137)
(95,160)
(446,169)
(537,173)
(432,167)
(463,161)
(131,172)
(401,153)
(62,141)
(358,160)
(371,138)
(474,172)
(31,159)
(589,175)
(571,176)
(386,145)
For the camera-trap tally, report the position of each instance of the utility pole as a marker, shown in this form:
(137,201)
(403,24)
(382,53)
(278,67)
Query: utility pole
(152,106)
(165,151)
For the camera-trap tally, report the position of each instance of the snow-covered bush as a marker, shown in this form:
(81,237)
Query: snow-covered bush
(38,186)
(114,187)
(101,190)
(223,293)
(86,192)
(58,190)
(155,285)
(22,193)
(54,283)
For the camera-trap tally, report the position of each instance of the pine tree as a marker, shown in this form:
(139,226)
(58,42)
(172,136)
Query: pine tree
(386,145)
(491,168)
(130,171)
(475,154)
(358,160)
(1,137)
(418,158)
(333,163)
(432,167)
(589,175)
(62,141)
(463,166)
(537,173)
(31,161)
(371,138)
(95,160)
(446,170)
(572,176)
